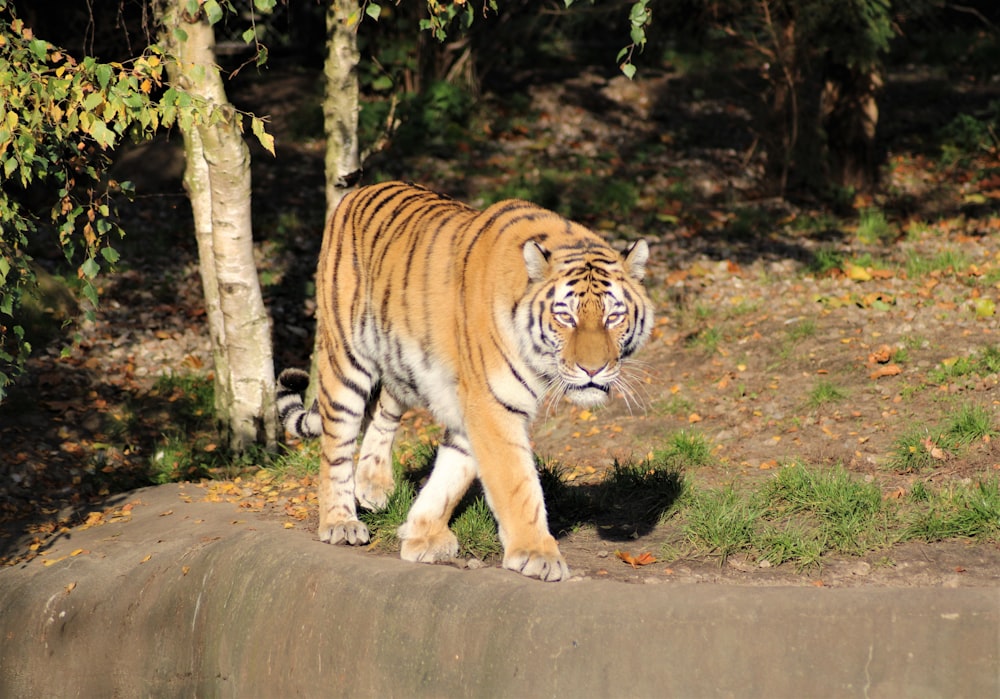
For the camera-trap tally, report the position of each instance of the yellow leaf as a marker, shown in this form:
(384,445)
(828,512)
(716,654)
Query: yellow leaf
(985,307)
(857,273)
(148,556)
(77,552)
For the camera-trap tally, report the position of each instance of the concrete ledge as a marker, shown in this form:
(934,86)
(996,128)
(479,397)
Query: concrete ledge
(187,600)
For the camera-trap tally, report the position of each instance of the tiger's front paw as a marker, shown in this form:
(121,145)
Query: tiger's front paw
(546,565)
(350,532)
(432,547)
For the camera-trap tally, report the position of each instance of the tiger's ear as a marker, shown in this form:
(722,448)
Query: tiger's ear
(634,259)
(536,259)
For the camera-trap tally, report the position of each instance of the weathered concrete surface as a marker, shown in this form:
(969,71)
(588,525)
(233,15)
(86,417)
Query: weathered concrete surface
(198,599)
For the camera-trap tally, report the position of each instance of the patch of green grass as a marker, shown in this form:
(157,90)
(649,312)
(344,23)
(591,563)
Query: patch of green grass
(922,448)
(970,423)
(849,514)
(910,453)
(801,330)
(806,513)
(301,461)
(988,360)
(950,260)
(958,511)
(684,448)
(825,392)
(874,227)
(383,524)
(189,447)
(476,530)
(721,522)
(789,541)
(982,363)
(825,260)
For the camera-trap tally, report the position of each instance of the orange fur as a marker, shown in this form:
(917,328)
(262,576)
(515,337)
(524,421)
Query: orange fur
(478,316)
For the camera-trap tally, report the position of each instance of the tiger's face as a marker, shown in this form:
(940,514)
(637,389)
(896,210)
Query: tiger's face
(588,313)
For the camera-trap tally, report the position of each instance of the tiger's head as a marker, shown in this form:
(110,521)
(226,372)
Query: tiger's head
(585,313)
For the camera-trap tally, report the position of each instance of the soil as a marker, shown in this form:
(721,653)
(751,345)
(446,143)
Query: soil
(748,324)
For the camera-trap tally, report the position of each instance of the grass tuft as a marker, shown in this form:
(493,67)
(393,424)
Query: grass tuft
(684,448)
(825,392)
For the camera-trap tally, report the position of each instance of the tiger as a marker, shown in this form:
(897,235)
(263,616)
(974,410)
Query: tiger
(480,316)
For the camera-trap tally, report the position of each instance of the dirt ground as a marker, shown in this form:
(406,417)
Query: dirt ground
(748,326)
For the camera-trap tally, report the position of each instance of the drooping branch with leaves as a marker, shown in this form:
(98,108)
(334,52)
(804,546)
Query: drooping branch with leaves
(59,119)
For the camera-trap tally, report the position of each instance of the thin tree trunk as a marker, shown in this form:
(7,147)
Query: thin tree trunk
(340,106)
(218,182)
(849,119)
(340,120)
(197,184)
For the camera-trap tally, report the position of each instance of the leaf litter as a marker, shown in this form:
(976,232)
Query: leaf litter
(83,438)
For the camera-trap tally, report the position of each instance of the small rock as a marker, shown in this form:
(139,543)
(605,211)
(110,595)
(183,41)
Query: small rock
(861,568)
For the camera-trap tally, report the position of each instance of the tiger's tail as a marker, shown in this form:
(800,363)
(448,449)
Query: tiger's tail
(297,421)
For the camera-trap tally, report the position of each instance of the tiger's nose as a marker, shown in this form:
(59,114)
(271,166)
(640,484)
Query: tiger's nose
(591,372)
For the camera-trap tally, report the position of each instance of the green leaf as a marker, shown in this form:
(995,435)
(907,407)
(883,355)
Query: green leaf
(104,73)
(90,292)
(628,70)
(249,35)
(91,101)
(264,5)
(212,11)
(90,268)
(382,83)
(266,139)
(373,10)
(38,48)
(110,254)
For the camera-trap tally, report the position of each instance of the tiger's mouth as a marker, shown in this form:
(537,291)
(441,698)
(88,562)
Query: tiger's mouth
(587,394)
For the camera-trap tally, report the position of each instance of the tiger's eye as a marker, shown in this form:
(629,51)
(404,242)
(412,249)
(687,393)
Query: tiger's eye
(565,319)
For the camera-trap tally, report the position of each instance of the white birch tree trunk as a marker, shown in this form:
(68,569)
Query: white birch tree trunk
(340,106)
(342,164)
(217,178)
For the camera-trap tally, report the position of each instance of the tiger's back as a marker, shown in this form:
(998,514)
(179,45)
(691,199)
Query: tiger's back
(476,315)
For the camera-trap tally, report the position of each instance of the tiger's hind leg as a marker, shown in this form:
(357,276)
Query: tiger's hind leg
(342,400)
(373,481)
(425,535)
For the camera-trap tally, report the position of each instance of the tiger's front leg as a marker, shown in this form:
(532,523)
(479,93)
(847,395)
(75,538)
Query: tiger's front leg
(506,469)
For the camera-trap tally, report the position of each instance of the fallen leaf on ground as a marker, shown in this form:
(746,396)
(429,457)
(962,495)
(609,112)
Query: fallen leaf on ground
(880,356)
(886,370)
(934,450)
(643,559)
